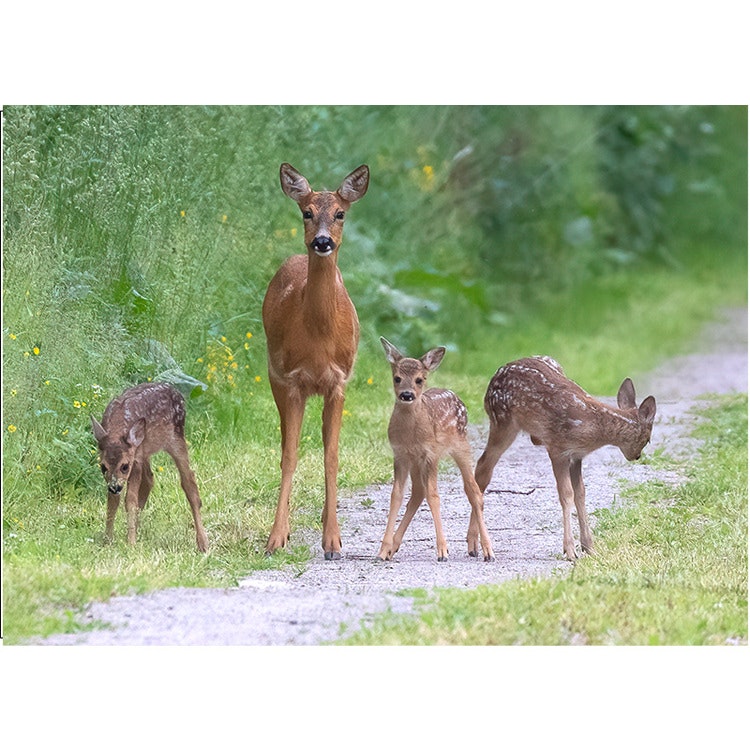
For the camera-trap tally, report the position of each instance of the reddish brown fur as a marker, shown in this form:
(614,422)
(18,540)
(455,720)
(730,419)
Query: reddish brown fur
(533,395)
(425,426)
(312,332)
(144,420)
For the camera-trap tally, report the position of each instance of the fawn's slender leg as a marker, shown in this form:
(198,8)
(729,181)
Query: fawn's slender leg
(333,408)
(113,503)
(579,497)
(433,500)
(400,473)
(179,454)
(291,408)
(147,484)
(477,528)
(561,469)
(131,501)
(415,500)
(498,441)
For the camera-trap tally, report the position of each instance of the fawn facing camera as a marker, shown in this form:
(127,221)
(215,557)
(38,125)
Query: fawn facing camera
(425,426)
(144,420)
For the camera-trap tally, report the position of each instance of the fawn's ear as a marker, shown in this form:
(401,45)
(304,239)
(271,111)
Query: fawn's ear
(355,184)
(293,183)
(393,355)
(433,358)
(647,409)
(626,395)
(99,432)
(137,433)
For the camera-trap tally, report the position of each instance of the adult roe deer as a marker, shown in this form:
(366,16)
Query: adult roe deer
(144,420)
(534,395)
(425,426)
(312,333)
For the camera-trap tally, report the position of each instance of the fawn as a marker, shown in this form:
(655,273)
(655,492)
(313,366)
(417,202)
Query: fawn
(144,420)
(534,395)
(425,426)
(312,332)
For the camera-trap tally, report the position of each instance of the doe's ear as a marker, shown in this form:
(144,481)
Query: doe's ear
(647,410)
(293,183)
(626,395)
(392,354)
(99,432)
(137,433)
(355,184)
(433,358)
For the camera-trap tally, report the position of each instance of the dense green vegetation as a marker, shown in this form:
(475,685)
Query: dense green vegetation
(138,242)
(670,568)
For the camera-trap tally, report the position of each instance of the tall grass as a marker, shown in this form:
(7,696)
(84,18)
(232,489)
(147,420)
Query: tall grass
(138,242)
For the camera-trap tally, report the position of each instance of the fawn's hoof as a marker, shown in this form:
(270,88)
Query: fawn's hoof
(442,558)
(332,556)
(473,553)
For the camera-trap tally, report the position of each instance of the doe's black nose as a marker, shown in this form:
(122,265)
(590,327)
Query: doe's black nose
(323,244)
(406,396)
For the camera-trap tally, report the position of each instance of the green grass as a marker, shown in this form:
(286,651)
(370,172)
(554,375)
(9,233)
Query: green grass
(670,569)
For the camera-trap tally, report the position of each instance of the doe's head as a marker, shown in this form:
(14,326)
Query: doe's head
(409,374)
(642,415)
(117,454)
(323,212)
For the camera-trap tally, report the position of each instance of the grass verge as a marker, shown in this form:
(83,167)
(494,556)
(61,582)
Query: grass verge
(670,569)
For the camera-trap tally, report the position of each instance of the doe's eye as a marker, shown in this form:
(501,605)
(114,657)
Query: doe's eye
(419,381)
(397,379)
(307,214)
(340,215)
(125,468)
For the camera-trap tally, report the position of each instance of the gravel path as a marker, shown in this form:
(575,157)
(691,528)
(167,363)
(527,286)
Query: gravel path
(330,600)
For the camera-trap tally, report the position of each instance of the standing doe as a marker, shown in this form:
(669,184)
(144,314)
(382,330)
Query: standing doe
(425,426)
(312,332)
(144,420)
(533,395)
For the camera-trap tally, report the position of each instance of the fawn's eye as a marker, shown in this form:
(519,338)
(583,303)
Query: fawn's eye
(307,214)
(419,381)
(397,379)
(103,468)
(340,215)
(125,468)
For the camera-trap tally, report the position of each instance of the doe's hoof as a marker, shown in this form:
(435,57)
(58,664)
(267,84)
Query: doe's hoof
(332,555)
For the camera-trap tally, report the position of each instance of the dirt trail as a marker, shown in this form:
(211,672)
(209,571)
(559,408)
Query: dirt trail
(330,600)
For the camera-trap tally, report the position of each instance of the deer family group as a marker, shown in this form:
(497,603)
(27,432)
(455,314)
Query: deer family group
(312,334)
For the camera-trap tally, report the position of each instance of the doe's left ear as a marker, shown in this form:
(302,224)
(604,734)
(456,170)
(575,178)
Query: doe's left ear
(355,184)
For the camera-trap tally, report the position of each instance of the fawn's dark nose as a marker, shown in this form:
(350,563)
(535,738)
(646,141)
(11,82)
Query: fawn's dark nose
(323,245)
(406,396)
(115,488)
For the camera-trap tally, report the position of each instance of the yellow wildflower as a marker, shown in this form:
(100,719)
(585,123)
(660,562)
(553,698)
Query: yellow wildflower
(257,378)
(76,404)
(12,428)
(12,336)
(370,381)
(223,217)
(182,213)
(36,351)
(248,335)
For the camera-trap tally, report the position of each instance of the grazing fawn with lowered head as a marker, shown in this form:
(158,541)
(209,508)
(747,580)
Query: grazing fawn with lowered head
(144,420)
(312,333)
(425,426)
(533,395)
